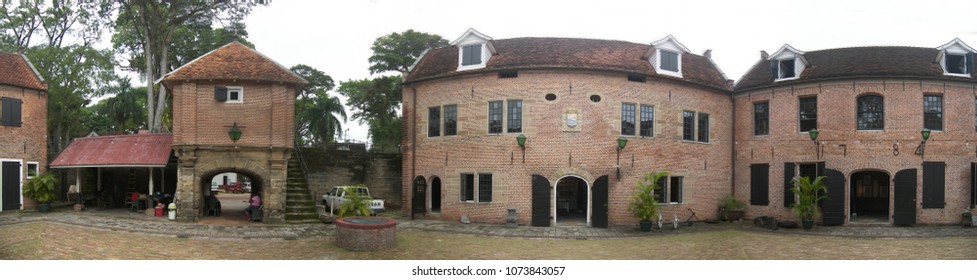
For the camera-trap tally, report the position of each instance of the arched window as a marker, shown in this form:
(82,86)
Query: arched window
(871,113)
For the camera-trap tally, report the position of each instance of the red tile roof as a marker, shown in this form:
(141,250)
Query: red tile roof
(872,62)
(566,53)
(234,61)
(15,70)
(142,150)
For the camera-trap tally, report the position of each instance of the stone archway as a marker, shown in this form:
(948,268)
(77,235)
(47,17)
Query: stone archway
(267,168)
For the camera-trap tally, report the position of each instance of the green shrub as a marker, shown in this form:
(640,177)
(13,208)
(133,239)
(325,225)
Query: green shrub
(41,188)
(643,204)
(355,204)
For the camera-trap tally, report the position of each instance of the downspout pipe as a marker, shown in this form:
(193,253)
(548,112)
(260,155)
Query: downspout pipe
(413,148)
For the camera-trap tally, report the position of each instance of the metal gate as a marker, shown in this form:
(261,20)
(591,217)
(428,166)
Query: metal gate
(11,185)
(904,208)
(541,201)
(834,205)
(599,201)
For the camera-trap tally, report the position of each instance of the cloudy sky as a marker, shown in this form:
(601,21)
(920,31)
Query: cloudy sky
(335,36)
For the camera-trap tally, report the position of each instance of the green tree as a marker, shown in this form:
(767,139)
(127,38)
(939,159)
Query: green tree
(375,102)
(398,51)
(151,28)
(126,110)
(317,113)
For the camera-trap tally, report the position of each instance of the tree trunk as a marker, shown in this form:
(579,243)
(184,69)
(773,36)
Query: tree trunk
(161,103)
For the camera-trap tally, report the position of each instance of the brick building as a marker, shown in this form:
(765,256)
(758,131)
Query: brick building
(466,105)
(870,106)
(23,128)
(232,88)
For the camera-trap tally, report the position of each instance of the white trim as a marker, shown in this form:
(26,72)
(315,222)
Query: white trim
(958,42)
(590,198)
(412,65)
(471,32)
(461,57)
(470,38)
(669,43)
(240,94)
(679,46)
(37,172)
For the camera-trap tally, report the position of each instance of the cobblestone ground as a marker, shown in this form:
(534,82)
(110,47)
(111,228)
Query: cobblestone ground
(94,235)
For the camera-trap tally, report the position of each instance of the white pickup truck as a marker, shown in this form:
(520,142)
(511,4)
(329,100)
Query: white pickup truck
(337,196)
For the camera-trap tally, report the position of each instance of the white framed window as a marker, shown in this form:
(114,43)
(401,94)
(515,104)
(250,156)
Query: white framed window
(787,63)
(235,94)
(785,69)
(670,190)
(956,58)
(471,56)
(32,169)
(667,56)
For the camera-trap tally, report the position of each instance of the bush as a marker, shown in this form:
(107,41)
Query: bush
(808,194)
(730,203)
(355,204)
(41,188)
(643,204)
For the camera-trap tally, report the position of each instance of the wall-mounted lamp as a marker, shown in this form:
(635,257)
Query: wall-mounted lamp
(814,137)
(234,133)
(921,151)
(621,143)
(521,140)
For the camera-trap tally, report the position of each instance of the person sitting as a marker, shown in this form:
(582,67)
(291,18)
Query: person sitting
(255,203)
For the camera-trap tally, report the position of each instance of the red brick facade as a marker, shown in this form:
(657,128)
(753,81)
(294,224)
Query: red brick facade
(25,143)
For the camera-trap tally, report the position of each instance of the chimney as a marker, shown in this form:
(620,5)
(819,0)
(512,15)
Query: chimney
(763,55)
(708,53)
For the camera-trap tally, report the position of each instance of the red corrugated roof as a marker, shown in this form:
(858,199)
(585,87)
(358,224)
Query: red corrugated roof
(144,150)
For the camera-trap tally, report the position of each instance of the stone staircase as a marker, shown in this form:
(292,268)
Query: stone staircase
(299,203)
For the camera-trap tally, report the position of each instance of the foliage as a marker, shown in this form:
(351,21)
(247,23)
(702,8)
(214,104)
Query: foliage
(124,112)
(375,102)
(730,203)
(41,188)
(317,113)
(398,51)
(809,193)
(356,204)
(643,204)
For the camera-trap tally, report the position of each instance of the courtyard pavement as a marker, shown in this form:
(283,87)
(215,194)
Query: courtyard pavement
(233,227)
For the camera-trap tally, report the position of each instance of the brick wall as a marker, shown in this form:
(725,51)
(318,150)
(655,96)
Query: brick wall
(266,117)
(555,152)
(27,143)
(379,172)
(850,151)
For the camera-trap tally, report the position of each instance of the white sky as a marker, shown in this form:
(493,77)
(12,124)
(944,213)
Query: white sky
(335,36)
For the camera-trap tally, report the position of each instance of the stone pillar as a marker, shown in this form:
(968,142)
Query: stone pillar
(187,193)
(275,190)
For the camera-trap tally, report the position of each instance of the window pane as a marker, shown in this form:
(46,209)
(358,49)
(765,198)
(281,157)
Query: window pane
(688,126)
(484,187)
(870,112)
(703,127)
(669,61)
(433,121)
(451,120)
(515,116)
(495,117)
(956,64)
(761,118)
(787,68)
(933,112)
(627,119)
(467,187)
(471,55)
(675,192)
(647,121)
(808,113)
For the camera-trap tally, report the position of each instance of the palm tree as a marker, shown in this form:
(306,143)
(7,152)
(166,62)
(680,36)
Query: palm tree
(126,109)
(319,118)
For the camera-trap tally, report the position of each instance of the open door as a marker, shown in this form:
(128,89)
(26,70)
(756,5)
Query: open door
(599,194)
(834,205)
(11,185)
(541,201)
(904,200)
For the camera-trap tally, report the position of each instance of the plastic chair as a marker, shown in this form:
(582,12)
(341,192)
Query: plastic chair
(257,213)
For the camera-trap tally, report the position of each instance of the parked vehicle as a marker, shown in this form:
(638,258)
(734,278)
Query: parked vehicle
(233,187)
(337,196)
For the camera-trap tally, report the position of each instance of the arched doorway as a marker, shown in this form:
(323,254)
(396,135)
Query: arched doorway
(869,197)
(571,202)
(226,193)
(435,194)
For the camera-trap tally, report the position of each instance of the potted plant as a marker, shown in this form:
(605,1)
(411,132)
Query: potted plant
(41,190)
(643,204)
(356,204)
(731,209)
(808,194)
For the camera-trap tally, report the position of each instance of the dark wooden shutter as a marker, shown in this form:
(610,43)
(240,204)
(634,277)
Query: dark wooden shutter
(788,185)
(934,179)
(599,199)
(541,201)
(15,112)
(773,69)
(904,200)
(969,63)
(759,184)
(220,93)
(419,197)
(973,184)
(834,205)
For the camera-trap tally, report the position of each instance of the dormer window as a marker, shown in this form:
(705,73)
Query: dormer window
(669,61)
(474,50)
(957,58)
(471,55)
(787,63)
